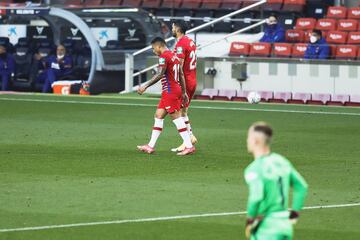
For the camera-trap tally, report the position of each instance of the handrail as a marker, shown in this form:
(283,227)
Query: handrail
(207,24)
(208,44)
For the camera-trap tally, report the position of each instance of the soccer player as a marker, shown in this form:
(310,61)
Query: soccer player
(173,95)
(185,49)
(270,177)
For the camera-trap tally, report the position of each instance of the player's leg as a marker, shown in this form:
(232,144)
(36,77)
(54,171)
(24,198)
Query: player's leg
(4,77)
(185,135)
(160,114)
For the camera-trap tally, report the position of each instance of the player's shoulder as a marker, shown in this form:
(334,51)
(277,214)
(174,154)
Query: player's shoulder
(279,158)
(252,172)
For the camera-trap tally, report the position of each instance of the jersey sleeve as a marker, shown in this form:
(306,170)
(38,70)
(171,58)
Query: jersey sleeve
(300,189)
(162,60)
(256,192)
(180,51)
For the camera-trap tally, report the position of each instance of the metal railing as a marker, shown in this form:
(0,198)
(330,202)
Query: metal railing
(129,58)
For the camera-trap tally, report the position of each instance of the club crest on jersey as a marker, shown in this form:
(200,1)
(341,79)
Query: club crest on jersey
(179,50)
(161,61)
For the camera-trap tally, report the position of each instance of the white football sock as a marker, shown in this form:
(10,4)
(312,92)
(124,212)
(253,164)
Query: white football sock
(181,127)
(188,126)
(158,126)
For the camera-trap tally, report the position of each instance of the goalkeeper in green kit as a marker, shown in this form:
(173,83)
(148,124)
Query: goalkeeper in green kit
(270,177)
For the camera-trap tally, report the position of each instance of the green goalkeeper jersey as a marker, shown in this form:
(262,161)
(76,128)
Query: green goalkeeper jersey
(269,179)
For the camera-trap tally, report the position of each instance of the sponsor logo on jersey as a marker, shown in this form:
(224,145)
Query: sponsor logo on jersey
(161,61)
(179,50)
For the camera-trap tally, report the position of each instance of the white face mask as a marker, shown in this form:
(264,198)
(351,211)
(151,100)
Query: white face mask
(60,56)
(313,39)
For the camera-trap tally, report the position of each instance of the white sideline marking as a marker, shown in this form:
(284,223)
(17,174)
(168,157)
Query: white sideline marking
(155,219)
(194,107)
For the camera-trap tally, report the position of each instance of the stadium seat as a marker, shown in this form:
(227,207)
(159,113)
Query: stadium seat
(336,37)
(273,5)
(337,12)
(347,25)
(151,3)
(346,52)
(319,99)
(22,42)
(231,4)
(92,3)
(300,98)
(131,3)
(295,36)
(211,4)
(225,95)
(326,24)
(23,60)
(299,50)
(241,96)
(293,5)
(207,94)
(70,3)
(281,97)
(239,49)
(305,24)
(112,45)
(112,2)
(338,99)
(354,13)
(282,50)
(171,3)
(266,95)
(191,4)
(354,38)
(354,101)
(260,49)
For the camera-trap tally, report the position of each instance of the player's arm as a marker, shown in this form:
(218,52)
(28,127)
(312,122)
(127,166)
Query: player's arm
(300,189)
(183,82)
(153,80)
(256,195)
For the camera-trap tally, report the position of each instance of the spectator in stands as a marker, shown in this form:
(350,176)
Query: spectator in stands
(274,32)
(318,48)
(56,67)
(7,68)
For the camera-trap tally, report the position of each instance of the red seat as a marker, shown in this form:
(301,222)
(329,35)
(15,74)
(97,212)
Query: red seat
(354,13)
(354,38)
(260,49)
(348,52)
(326,24)
(273,5)
(305,24)
(347,25)
(294,5)
(171,3)
(333,49)
(72,2)
(239,49)
(337,12)
(151,3)
(307,36)
(299,50)
(282,50)
(231,4)
(211,4)
(131,3)
(93,3)
(112,2)
(336,37)
(294,36)
(191,4)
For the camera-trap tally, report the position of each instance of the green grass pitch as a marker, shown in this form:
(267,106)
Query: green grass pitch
(66,160)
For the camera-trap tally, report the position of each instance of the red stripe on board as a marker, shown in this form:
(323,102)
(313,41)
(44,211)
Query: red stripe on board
(157,128)
(182,130)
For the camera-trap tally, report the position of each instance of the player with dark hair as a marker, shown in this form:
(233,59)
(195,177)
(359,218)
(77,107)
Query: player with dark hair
(318,47)
(173,95)
(270,177)
(185,49)
(274,32)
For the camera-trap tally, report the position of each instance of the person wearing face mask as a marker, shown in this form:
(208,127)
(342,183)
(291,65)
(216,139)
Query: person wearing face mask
(318,48)
(274,32)
(56,67)
(7,68)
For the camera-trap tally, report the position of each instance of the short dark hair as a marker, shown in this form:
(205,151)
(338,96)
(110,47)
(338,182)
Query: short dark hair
(265,129)
(317,32)
(158,40)
(182,25)
(274,15)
